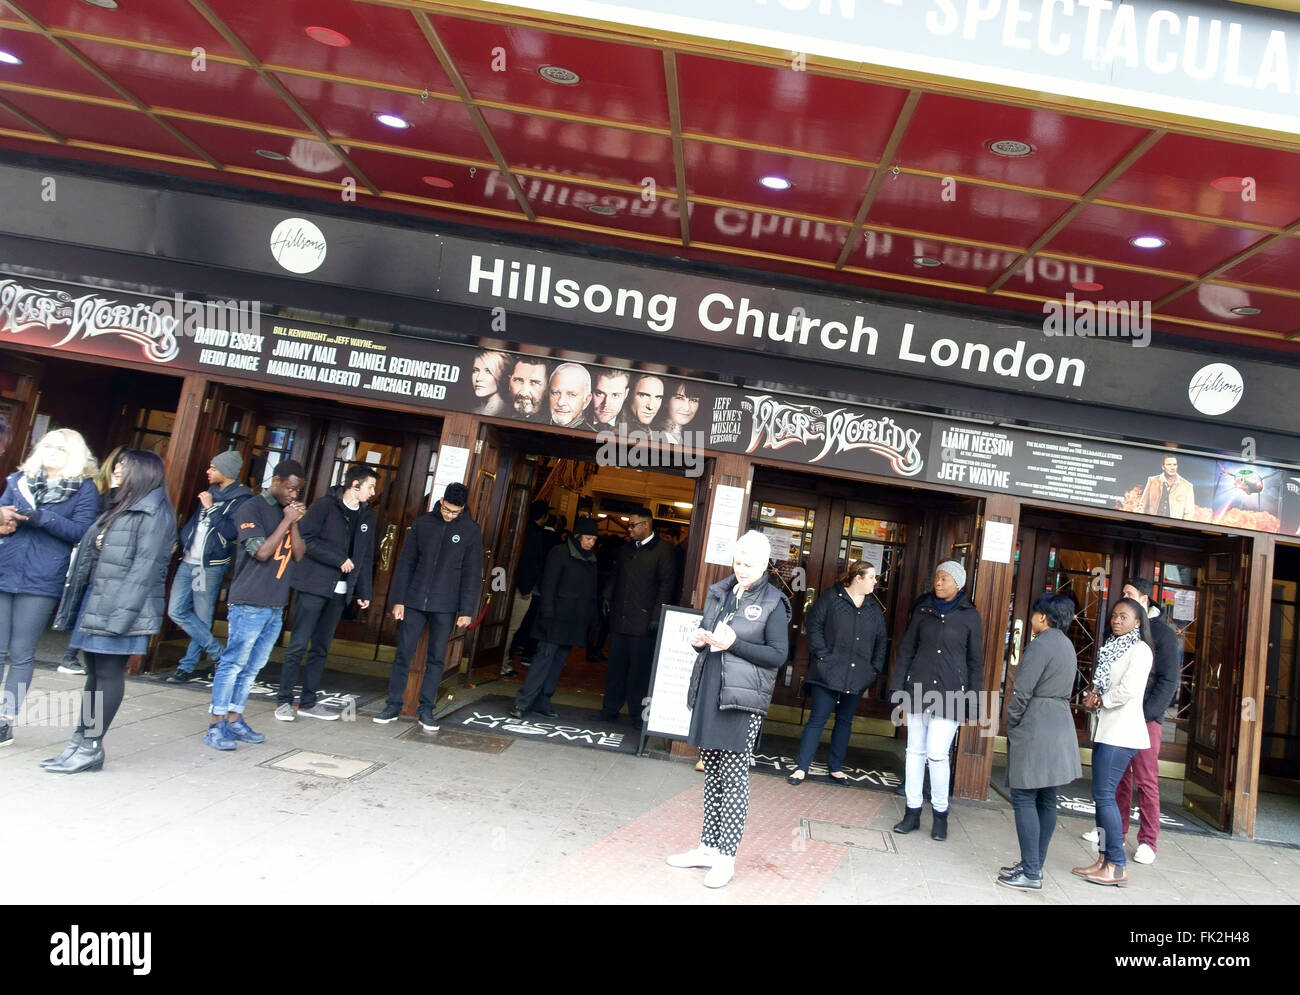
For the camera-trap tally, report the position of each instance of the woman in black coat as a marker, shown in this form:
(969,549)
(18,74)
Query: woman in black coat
(743,639)
(1042,750)
(938,677)
(566,616)
(846,645)
(115,598)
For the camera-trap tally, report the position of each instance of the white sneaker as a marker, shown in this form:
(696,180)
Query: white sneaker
(286,712)
(1093,835)
(1144,854)
(701,856)
(722,871)
(318,711)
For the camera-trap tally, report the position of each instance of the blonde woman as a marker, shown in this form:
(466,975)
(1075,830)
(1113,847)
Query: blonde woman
(485,379)
(45,509)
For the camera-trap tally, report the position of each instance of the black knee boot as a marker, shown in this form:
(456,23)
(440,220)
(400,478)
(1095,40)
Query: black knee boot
(940,829)
(911,822)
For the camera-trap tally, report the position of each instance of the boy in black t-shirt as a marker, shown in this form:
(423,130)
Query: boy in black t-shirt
(269,545)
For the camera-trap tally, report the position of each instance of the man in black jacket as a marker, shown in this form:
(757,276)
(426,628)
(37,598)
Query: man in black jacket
(642,581)
(207,547)
(437,582)
(1162,685)
(339,533)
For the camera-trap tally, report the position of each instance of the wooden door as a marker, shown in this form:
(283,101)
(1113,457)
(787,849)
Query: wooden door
(1216,693)
(495,506)
(1084,569)
(391,454)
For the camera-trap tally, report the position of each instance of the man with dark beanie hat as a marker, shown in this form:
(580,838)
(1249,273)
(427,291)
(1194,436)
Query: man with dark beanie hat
(207,549)
(436,583)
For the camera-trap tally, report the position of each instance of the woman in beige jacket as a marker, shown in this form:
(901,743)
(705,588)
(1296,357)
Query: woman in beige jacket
(1119,676)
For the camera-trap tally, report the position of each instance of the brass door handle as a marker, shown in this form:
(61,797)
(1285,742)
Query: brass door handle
(808,600)
(386,547)
(1016,635)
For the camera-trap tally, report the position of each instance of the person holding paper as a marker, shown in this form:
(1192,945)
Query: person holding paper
(846,643)
(45,509)
(743,641)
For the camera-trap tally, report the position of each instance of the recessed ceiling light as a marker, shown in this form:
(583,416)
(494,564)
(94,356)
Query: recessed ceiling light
(775,182)
(560,75)
(271,154)
(602,209)
(106,4)
(328,36)
(926,261)
(1228,184)
(438,181)
(10,59)
(1245,312)
(392,120)
(1010,147)
(1147,242)
(1087,286)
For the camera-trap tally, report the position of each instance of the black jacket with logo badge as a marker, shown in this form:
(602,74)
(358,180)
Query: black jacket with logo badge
(325,534)
(749,668)
(440,568)
(940,660)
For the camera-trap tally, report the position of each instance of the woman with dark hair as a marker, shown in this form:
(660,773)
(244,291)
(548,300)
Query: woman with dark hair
(103,484)
(115,598)
(45,509)
(1042,751)
(485,379)
(682,404)
(1119,680)
(846,646)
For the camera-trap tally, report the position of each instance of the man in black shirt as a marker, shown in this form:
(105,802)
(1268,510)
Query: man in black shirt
(269,545)
(339,533)
(437,582)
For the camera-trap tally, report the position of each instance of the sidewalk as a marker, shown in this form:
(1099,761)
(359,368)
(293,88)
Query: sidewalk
(434,818)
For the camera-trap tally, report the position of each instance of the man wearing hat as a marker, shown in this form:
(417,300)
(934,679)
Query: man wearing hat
(566,616)
(208,542)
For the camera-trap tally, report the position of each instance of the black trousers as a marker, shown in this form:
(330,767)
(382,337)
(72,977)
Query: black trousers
(524,644)
(314,620)
(627,678)
(408,634)
(543,676)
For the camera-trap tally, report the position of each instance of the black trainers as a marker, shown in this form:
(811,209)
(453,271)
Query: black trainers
(427,723)
(389,713)
(6,734)
(181,677)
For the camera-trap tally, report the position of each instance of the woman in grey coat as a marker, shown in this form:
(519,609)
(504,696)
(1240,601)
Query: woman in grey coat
(1042,750)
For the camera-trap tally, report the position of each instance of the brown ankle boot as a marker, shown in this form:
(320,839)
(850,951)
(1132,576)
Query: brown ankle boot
(1092,868)
(1109,874)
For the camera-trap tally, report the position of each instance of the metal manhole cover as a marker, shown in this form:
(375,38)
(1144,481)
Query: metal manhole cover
(473,742)
(323,765)
(842,835)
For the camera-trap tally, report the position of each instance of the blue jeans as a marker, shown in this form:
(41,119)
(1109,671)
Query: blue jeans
(1035,810)
(193,600)
(824,702)
(253,632)
(1108,766)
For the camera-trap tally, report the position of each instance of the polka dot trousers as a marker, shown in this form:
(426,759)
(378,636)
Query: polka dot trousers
(726,793)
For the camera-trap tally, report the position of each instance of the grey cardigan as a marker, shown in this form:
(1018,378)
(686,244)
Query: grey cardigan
(1042,748)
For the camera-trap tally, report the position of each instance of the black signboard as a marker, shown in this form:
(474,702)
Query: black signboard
(642,418)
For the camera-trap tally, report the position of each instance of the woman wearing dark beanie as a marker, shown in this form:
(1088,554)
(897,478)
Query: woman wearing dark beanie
(939,668)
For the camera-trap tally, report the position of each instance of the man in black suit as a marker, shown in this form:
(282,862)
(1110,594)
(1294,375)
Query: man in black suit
(642,581)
